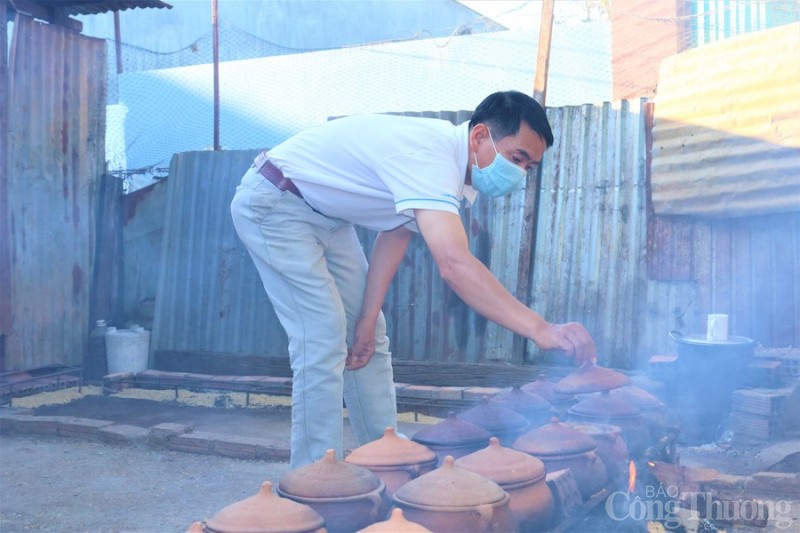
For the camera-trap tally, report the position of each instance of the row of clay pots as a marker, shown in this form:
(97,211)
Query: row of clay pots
(481,471)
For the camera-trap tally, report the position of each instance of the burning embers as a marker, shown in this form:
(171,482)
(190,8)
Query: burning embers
(671,497)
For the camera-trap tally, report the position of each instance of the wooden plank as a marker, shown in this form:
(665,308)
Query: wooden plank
(410,372)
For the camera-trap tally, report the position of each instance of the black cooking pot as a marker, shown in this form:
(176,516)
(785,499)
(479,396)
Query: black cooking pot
(708,371)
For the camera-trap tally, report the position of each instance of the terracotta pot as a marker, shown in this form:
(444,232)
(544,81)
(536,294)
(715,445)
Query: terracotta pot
(452,436)
(522,476)
(559,447)
(545,388)
(453,499)
(501,422)
(603,408)
(611,448)
(653,410)
(347,496)
(536,410)
(397,523)
(266,512)
(591,378)
(394,459)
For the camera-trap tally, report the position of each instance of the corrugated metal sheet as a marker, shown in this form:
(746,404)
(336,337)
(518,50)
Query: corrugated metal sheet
(726,140)
(93,7)
(56,155)
(209,295)
(589,260)
(589,263)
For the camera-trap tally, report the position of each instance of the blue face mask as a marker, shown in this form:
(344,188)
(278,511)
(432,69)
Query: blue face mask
(499,177)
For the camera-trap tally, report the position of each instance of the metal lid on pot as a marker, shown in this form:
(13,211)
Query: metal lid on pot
(451,432)
(266,512)
(591,378)
(450,486)
(554,439)
(391,450)
(701,340)
(329,478)
(503,465)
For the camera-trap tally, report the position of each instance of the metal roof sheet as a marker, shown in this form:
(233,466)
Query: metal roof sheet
(93,7)
(726,140)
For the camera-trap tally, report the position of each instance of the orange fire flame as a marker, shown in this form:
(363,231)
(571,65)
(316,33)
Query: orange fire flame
(631,477)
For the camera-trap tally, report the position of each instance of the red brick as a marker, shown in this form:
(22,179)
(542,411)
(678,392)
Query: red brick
(40,425)
(479,393)
(73,426)
(196,442)
(123,434)
(161,433)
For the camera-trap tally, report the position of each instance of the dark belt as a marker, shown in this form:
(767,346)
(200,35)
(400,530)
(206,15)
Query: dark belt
(276,177)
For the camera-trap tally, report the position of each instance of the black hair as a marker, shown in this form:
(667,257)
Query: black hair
(504,111)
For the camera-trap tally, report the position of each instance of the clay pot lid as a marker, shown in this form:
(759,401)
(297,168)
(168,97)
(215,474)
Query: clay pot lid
(545,388)
(397,523)
(451,432)
(391,450)
(450,486)
(263,513)
(591,378)
(329,478)
(554,439)
(604,405)
(494,418)
(521,401)
(594,429)
(638,397)
(503,465)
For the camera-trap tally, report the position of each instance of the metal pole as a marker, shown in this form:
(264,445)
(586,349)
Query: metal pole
(543,55)
(117,42)
(530,209)
(215,30)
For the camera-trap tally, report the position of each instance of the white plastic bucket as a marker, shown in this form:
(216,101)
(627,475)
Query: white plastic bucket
(128,350)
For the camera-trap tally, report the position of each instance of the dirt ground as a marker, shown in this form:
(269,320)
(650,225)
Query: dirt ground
(60,485)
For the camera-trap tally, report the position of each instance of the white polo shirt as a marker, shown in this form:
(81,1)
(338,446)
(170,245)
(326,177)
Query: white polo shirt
(374,170)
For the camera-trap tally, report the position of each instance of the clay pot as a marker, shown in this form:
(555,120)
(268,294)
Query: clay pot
(560,447)
(521,475)
(397,523)
(266,512)
(545,388)
(611,448)
(347,496)
(501,422)
(653,410)
(591,378)
(453,499)
(394,459)
(452,436)
(603,408)
(536,410)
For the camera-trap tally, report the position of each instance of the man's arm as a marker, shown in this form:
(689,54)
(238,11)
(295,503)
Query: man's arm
(478,288)
(387,253)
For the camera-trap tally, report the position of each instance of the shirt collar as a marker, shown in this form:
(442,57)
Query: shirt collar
(467,192)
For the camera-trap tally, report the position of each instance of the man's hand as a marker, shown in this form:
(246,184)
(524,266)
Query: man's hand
(363,346)
(571,338)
